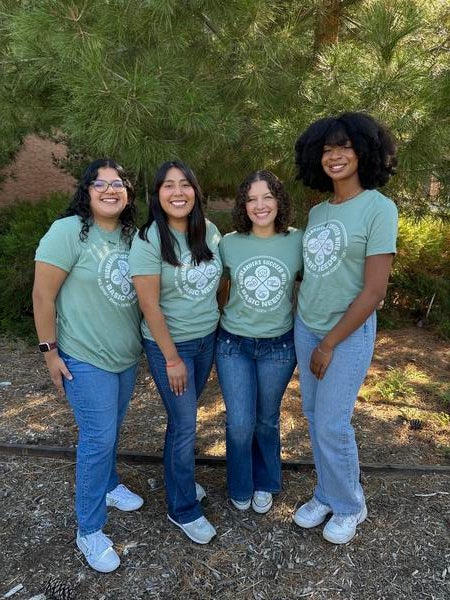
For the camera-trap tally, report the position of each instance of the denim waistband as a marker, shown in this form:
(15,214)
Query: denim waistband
(289,335)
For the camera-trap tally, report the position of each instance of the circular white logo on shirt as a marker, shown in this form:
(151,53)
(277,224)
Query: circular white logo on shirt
(261,282)
(193,281)
(114,279)
(324,247)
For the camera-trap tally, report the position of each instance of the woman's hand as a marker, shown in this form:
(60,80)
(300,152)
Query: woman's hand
(148,288)
(376,275)
(320,359)
(177,376)
(57,369)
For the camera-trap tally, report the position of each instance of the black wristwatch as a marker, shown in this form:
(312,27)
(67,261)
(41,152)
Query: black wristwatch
(47,346)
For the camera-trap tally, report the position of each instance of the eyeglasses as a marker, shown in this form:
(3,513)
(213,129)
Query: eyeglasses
(100,185)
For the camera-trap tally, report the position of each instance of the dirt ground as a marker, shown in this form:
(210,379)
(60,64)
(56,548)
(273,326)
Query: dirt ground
(415,362)
(402,551)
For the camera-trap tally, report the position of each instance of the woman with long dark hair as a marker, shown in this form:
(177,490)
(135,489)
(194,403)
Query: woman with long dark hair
(348,248)
(87,320)
(176,270)
(255,354)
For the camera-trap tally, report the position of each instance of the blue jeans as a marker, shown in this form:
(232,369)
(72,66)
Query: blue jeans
(328,405)
(179,459)
(253,375)
(99,400)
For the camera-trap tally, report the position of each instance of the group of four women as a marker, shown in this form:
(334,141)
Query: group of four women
(95,276)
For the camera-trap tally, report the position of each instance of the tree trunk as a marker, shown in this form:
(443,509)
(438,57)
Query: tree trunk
(328,20)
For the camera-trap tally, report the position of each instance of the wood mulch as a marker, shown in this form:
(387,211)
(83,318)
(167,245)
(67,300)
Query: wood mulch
(402,551)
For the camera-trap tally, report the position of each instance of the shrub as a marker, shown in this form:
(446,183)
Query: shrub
(396,385)
(21,227)
(222,220)
(421,270)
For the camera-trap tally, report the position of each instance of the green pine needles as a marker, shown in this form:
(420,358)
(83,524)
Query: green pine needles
(228,86)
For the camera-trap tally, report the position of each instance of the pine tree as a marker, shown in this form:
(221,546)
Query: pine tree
(229,86)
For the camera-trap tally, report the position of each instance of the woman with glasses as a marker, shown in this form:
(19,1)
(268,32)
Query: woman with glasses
(348,248)
(176,269)
(87,320)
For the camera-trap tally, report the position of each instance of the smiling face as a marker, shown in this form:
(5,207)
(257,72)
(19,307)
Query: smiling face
(177,198)
(262,209)
(106,207)
(340,162)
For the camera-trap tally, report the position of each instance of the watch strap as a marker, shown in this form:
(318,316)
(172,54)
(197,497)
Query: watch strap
(47,346)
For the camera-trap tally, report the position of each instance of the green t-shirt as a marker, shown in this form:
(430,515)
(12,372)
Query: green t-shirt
(337,240)
(187,292)
(262,274)
(97,311)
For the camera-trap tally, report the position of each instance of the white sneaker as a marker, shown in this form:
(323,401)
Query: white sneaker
(262,502)
(312,513)
(341,529)
(199,492)
(98,551)
(241,504)
(200,531)
(123,498)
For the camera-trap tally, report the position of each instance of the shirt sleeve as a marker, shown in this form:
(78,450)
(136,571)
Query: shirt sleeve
(145,256)
(60,246)
(213,233)
(382,237)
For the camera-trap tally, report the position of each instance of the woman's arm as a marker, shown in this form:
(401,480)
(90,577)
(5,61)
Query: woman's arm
(376,275)
(148,292)
(48,280)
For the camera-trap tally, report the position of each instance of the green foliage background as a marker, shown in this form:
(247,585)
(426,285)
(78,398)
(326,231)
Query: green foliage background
(21,228)
(228,86)
(421,271)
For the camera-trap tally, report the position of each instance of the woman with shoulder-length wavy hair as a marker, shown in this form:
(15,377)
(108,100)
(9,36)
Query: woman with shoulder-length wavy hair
(87,320)
(176,270)
(255,355)
(348,248)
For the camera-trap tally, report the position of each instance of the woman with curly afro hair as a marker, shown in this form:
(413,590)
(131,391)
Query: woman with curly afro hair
(348,249)
(87,320)
(255,355)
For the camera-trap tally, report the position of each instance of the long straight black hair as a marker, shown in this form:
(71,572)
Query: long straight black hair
(196,229)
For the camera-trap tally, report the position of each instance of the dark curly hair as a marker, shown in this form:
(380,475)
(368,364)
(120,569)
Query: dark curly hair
(371,141)
(196,229)
(80,203)
(242,222)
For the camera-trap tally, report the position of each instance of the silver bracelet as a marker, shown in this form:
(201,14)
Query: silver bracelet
(324,353)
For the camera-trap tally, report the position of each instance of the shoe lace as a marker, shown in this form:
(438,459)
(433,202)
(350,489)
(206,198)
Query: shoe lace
(200,522)
(98,544)
(121,491)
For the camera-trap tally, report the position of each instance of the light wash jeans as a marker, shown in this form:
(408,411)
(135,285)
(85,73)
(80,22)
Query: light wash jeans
(253,375)
(179,447)
(99,400)
(328,405)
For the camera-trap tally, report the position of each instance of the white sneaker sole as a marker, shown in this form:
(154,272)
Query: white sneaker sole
(189,535)
(347,538)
